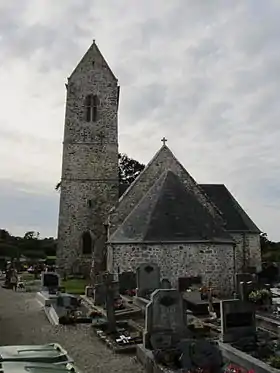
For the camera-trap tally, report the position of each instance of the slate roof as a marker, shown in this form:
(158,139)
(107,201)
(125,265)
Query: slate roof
(235,217)
(169,213)
(163,160)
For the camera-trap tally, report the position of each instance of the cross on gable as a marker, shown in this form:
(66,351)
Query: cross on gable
(164,141)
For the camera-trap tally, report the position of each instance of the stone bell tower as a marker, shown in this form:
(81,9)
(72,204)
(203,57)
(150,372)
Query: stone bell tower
(89,180)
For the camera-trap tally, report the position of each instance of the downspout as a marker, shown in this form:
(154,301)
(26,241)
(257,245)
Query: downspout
(244,252)
(105,248)
(234,268)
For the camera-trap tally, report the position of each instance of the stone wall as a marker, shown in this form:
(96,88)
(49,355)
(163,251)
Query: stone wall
(248,250)
(89,182)
(163,160)
(211,262)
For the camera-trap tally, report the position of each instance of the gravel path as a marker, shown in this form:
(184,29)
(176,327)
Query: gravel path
(22,321)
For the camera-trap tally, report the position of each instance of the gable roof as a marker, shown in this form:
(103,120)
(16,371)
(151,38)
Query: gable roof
(163,160)
(235,217)
(92,53)
(169,212)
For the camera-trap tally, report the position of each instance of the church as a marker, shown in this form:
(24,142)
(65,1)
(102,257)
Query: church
(164,217)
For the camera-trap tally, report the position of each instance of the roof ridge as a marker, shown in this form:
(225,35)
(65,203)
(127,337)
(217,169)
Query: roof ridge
(141,175)
(157,182)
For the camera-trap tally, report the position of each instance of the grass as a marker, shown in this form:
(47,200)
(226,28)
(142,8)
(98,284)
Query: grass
(73,286)
(27,276)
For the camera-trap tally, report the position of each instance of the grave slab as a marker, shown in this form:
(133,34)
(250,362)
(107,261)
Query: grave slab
(45,299)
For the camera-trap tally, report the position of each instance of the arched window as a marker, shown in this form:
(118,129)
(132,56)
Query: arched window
(87,243)
(91,104)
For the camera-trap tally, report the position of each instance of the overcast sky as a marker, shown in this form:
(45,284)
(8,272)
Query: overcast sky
(205,74)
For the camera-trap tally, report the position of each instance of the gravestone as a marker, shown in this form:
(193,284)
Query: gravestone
(242,277)
(165,284)
(251,269)
(110,303)
(127,281)
(185,283)
(99,292)
(238,320)
(165,321)
(99,295)
(202,354)
(243,291)
(50,280)
(245,288)
(148,279)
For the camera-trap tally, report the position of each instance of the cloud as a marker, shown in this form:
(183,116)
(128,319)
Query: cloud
(205,74)
(24,208)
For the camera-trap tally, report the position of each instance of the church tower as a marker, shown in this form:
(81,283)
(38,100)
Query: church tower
(89,183)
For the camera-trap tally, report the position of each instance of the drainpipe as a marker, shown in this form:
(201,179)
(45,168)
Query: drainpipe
(244,252)
(106,236)
(234,268)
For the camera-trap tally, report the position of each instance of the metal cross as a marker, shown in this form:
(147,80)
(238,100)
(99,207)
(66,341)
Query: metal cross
(164,140)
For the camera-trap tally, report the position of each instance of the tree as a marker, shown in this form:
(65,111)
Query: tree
(4,235)
(129,169)
(31,235)
(9,251)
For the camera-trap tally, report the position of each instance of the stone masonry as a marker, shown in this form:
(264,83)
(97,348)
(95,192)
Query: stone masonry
(89,181)
(248,250)
(90,188)
(210,261)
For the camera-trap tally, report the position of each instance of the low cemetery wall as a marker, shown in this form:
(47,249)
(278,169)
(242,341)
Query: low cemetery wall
(240,358)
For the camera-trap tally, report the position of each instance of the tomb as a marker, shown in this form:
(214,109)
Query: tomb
(148,279)
(238,320)
(121,336)
(127,283)
(50,284)
(168,344)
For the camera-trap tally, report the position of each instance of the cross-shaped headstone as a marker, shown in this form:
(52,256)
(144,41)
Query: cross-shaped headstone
(164,140)
(110,302)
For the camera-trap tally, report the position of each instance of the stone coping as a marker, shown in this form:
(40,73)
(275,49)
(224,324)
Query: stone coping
(45,299)
(147,360)
(241,358)
(130,310)
(141,303)
(118,349)
(230,353)
(51,315)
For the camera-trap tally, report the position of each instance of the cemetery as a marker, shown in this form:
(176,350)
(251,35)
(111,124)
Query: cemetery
(187,328)
(60,307)
(173,329)
(223,332)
